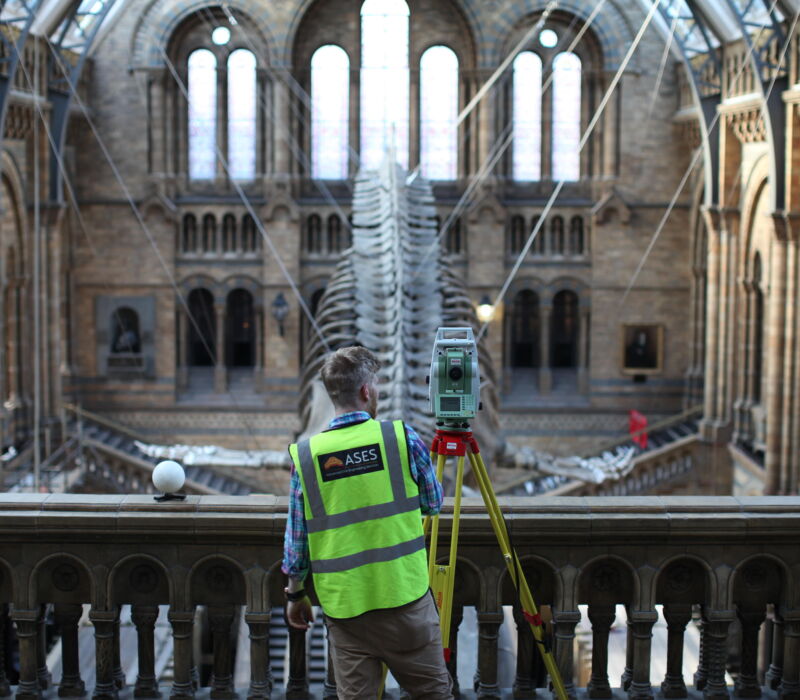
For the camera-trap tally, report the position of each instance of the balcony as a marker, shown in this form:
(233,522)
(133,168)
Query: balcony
(732,564)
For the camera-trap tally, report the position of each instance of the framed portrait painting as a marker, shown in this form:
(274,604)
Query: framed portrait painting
(642,348)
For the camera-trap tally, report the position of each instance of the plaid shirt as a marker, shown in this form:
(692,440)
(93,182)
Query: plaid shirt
(295,542)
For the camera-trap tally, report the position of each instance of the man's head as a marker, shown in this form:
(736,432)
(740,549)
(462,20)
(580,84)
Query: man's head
(350,376)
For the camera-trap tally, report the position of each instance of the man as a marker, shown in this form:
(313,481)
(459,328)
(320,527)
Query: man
(358,492)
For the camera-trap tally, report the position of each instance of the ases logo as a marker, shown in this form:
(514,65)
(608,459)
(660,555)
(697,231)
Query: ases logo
(352,462)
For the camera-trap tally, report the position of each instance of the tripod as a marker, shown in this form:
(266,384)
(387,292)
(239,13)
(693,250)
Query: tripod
(454,441)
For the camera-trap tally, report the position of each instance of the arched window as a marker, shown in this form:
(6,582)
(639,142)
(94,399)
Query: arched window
(334,233)
(229,243)
(189,237)
(527,117)
(384,80)
(456,238)
(564,330)
(249,236)
(566,116)
(576,235)
(438,108)
(242,110)
(314,234)
(516,234)
(330,112)
(209,233)
(240,336)
(125,337)
(201,329)
(557,236)
(540,243)
(524,330)
(202,86)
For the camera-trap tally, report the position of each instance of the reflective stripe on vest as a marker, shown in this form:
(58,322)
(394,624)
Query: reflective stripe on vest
(320,520)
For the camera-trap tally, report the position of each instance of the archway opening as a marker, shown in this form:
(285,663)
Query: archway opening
(240,332)
(564,332)
(202,329)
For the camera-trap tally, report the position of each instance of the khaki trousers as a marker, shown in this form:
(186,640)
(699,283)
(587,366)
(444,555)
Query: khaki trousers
(407,639)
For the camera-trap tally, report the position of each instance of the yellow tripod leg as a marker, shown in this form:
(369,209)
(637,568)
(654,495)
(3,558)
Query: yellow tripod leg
(435,520)
(426,523)
(515,570)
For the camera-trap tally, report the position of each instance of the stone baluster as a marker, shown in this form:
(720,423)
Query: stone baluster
(103,620)
(747,685)
(564,623)
(67,618)
(601,617)
(182,622)
(530,672)
(457,616)
(297,685)
(119,675)
(701,674)
(45,679)
(677,616)
(717,624)
(260,674)
(221,620)
(488,626)
(27,632)
(774,674)
(790,685)
(5,688)
(627,674)
(642,622)
(144,617)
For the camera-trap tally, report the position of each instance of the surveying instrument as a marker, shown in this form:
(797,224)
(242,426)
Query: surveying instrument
(454,395)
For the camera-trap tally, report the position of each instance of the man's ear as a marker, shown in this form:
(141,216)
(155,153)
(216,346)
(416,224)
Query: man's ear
(363,393)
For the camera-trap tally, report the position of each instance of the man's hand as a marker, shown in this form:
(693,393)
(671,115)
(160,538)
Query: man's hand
(299,613)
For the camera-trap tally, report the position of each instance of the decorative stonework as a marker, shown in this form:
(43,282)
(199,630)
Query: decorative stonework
(748,125)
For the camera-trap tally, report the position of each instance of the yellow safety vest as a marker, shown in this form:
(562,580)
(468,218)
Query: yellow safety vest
(365,540)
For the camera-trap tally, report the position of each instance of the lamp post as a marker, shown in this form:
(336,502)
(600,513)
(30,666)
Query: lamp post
(280,309)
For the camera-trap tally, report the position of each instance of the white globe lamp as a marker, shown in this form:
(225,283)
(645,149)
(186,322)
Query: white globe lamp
(168,477)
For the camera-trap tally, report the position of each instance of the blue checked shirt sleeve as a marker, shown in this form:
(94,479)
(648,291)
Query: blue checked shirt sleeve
(430,490)
(295,540)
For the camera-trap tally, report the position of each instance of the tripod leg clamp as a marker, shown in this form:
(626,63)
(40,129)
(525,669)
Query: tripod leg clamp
(535,620)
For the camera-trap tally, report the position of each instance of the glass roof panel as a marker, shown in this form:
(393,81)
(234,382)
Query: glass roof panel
(688,31)
(756,13)
(79,28)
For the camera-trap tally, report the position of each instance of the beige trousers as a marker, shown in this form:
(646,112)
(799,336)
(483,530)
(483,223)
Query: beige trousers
(407,639)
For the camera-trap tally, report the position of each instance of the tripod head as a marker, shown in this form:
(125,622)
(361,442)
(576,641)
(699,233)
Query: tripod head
(454,378)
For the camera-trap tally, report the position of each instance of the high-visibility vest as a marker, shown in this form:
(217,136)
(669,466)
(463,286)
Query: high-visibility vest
(365,541)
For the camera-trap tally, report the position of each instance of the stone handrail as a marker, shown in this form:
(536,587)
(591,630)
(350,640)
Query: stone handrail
(724,557)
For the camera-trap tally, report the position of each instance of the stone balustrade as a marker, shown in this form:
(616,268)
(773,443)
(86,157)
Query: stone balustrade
(722,558)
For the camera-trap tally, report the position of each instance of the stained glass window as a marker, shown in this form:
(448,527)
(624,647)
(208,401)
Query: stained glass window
(242,97)
(566,116)
(438,113)
(202,115)
(330,102)
(527,116)
(384,80)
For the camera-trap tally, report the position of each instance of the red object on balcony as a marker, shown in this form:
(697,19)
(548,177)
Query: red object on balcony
(638,422)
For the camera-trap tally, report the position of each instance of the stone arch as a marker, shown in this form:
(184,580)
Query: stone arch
(140,579)
(13,190)
(763,578)
(570,284)
(61,578)
(241,282)
(683,577)
(159,21)
(202,281)
(8,581)
(542,580)
(218,580)
(608,580)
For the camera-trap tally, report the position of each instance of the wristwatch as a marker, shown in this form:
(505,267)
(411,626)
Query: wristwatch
(294,597)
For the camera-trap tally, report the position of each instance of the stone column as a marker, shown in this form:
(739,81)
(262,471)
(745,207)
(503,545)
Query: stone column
(155,86)
(789,445)
(774,674)
(182,624)
(743,402)
(774,346)
(456,618)
(700,676)
(790,687)
(722,328)
(67,618)
(27,632)
(45,679)
(609,136)
(627,673)
(297,686)
(220,373)
(103,621)
(545,376)
(583,352)
(144,617)
(677,616)
(529,663)
(183,345)
(716,624)
(642,622)
(713,225)
(119,676)
(564,623)
(220,620)
(747,685)
(488,625)
(258,370)
(5,689)
(260,676)
(280,125)
(601,617)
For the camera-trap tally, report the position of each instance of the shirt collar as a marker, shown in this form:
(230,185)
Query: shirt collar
(348,419)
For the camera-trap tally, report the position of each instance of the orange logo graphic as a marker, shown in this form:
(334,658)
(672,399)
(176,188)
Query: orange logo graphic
(332,462)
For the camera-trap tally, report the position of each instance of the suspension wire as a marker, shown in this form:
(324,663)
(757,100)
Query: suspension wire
(584,139)
(762,108)
(503,141)
(661,67)
(137,213)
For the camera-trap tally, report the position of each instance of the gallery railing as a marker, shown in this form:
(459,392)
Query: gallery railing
(723,559)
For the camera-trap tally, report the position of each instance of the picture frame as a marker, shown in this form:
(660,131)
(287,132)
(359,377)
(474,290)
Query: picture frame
(642,348)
